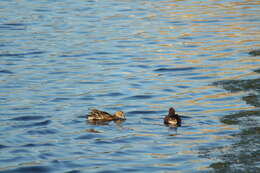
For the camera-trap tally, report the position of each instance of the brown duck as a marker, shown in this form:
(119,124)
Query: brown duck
(97,115)
(172,118)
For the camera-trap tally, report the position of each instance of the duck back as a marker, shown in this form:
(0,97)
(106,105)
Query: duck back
(99,115)
(172,120)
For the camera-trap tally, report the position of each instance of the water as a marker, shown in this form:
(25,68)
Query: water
(61,58)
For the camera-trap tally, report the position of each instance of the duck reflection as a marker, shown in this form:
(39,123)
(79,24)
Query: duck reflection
(172,130)
(102,123)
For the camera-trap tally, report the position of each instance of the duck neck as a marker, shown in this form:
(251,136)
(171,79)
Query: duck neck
(173,115)
(114,116)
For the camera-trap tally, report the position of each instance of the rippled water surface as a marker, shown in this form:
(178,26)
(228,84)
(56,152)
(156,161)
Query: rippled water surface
(58,59)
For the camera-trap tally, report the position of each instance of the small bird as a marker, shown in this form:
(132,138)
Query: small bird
(172,118)
(97,115)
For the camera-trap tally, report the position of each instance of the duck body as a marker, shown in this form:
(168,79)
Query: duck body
(172,118)
(97,115)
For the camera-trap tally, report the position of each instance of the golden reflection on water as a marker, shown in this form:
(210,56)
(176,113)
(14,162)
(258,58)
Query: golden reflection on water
(167,164)
(213,96)
(229,109)
(158,155)
(144,134)
(202,168)
(187,152)
(209,131)
(196,18)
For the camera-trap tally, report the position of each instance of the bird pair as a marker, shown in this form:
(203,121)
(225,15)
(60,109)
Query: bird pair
(96,115)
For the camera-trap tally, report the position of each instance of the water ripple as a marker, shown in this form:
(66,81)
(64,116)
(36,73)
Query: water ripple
(174,69)
(87,136)
(42,132)
(140,97)
(3,146)
(42,123)
(6,72)
(29,169)
(22,54)
(27,118)
(143,112)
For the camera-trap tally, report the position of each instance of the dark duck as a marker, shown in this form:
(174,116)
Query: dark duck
(97,115)
(172,118)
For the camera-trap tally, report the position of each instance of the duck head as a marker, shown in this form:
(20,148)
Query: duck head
(120,115)
(171,111)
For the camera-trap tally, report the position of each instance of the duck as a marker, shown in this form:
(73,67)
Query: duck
(172,118)
(97,115)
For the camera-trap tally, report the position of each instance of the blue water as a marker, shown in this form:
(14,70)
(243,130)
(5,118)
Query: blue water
(58,59)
